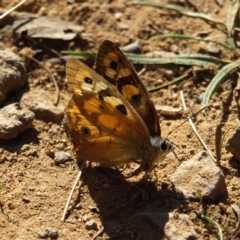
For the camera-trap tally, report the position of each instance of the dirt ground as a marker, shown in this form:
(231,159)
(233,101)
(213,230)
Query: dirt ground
(35,190)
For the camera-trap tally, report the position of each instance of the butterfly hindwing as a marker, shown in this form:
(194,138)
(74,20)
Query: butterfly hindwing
(112,64)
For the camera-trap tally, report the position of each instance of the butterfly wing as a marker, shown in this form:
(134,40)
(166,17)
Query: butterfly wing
(113,65)
(103,126)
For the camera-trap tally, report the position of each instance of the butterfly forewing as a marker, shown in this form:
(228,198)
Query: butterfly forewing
(112,64)
(102,123)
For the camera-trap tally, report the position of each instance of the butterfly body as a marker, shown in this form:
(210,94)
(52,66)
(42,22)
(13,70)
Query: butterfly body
(111,119)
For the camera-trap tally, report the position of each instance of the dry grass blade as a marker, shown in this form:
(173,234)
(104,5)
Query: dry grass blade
(194,128)
(181,10)
(12,9)
(221,75)
(71,193)
(179,36)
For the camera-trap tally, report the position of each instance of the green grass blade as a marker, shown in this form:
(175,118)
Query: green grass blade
(193,59)
(221,75)
(84,54)
(178,36)
(204,57)
(203,216)
(224,135)
(172,59)
(231,16)
(178,79)
(181,10)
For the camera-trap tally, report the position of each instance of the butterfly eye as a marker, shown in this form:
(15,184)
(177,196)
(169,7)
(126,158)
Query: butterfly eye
(88,80)
(86,131)
(113,65)
(164,145)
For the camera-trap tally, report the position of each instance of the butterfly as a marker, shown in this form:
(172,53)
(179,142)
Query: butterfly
(110,117)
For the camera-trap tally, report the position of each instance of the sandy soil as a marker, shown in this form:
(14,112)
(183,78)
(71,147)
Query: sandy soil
(35,190)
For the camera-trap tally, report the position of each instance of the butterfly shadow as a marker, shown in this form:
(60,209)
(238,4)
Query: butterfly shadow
(125,207)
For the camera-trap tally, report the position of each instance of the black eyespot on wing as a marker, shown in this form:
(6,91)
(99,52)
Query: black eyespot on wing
(113,65)
(85,131)
(136,100)
(101,106)
(122,109)
(88,80)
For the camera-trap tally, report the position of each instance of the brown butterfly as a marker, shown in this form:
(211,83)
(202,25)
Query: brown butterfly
(111,119)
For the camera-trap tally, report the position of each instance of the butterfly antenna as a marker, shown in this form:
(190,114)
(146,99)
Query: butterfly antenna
(190,117)
(71,193)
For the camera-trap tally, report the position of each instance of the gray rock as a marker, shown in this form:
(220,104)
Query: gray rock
(174,226)
(48,233)
(199,175)
(213,48)
(26,200)
(39,27)
(13,73)
(52,233)
(91,225)
(14,120)
(43,233)
(62,157)
(233,144)
(180,227)
(41,103)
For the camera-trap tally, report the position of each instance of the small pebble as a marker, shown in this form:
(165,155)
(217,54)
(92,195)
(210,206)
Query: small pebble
(91,225)
(26,200)
(52,233)
(62,157)
(118,15)
(31,188)
(188,135)
(78,206)
(85,218)
(93,209)
(205,232)
(43,233)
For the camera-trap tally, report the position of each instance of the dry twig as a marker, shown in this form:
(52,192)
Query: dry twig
(71,193)
(194,128)
(100,231)
(12,9)
(51,76)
